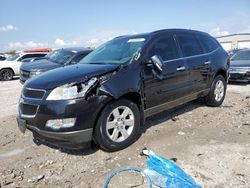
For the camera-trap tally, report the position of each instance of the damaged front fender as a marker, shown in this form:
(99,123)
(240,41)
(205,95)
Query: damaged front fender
(126,80)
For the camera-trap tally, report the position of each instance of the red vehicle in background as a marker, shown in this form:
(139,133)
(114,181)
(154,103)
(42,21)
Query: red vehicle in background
(38,50)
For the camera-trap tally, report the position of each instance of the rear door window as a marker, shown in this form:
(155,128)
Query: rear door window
(164,47)
(189,44)
(209,43)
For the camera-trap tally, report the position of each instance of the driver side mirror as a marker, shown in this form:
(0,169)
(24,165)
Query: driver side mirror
(157,62)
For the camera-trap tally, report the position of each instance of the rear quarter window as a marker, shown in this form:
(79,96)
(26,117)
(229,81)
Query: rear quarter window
(208,43)
(189,44)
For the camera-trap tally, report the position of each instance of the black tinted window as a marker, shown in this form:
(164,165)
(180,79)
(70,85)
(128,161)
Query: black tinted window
(39,55)
(78,58)
(31,56)
(189,45)
(165,48)
(209,43)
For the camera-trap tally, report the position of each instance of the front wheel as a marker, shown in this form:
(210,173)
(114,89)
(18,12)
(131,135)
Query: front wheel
(6,74)
(217,92)
(118,125)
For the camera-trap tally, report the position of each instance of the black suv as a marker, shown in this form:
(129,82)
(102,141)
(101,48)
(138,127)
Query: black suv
(108,95)
(57,58)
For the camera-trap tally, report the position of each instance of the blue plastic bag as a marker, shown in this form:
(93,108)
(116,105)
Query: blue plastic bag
(166,174)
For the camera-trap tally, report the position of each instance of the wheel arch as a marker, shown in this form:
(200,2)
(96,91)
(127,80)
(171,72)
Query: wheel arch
(134,97)
(9,68)
(221,72)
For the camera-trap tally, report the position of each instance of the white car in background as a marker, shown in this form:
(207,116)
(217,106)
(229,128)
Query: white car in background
(10,67)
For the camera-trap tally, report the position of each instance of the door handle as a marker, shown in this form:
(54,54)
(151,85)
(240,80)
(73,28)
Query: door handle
(207,62)
(181,68)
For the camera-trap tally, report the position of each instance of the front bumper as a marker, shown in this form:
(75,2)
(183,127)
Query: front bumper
(24,76)
(34,113)
(70,140)
(239,76)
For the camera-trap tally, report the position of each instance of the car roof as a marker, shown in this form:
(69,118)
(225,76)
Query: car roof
(180,31)
(165,31)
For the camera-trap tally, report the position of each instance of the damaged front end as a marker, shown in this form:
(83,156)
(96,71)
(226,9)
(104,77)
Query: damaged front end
(64,116)
(82,89)
(73,91)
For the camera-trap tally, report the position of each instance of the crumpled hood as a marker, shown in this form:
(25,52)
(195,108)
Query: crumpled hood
(41,65)
(245,63)
(68,74)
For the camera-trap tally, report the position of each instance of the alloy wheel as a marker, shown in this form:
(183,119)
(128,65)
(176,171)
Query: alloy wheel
(219,90)
(6,75)
(120,124)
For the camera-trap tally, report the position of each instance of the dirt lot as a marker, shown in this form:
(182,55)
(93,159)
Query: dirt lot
(211,144)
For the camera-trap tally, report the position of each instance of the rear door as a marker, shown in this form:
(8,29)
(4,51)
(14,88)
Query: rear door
(211,46)
(196,59)
(174,75)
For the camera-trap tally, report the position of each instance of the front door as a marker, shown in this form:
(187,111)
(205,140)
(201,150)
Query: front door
(174,77)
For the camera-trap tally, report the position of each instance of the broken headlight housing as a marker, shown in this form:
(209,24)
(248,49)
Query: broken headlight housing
(72,91)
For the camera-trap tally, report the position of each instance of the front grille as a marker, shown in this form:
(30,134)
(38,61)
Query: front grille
(33,93)
(28,110)
(239,69)
(25,74)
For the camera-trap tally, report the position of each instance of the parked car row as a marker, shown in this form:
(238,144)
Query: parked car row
(107,96)
(30,63)
(55,59)
(42,62)
(240,66)
(11,66)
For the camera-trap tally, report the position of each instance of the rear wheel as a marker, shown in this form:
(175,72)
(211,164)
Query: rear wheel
(6,74)
(118,125)
(217,92)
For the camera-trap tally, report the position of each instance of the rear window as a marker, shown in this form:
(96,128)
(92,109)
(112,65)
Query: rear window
(189,45)
(209,43)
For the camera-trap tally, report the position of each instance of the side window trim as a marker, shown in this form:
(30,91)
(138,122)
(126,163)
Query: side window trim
(178,46)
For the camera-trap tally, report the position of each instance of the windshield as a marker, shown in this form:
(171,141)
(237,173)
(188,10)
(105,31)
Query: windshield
(60,56)
(13,57)
(241,55)
(116,51)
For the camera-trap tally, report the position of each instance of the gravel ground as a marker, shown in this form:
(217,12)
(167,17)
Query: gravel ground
(210,144)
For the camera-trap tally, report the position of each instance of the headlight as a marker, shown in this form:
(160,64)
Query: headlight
(35,73)
(71,91)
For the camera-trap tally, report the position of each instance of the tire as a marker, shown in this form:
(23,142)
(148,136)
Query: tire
(6,74)
(217,92)
(114,129)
